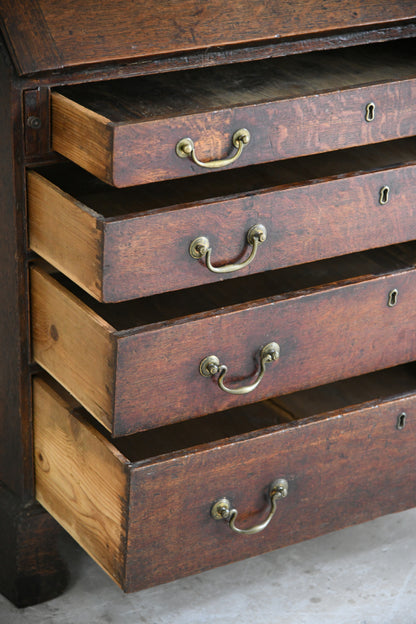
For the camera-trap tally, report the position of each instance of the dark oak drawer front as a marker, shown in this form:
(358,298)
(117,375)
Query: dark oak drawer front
(128,133)
(139,377)
(148,521)
(117,256)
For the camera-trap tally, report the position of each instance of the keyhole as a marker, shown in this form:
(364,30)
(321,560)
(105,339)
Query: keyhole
(401,421)
(384,195)
(370,110)
(392,300)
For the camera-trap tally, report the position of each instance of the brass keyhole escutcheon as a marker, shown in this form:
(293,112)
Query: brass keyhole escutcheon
(370,111)
(384,195)
(392,298)
(401,421)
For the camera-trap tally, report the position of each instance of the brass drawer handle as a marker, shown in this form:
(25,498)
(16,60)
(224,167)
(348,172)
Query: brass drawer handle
(200,247)
(223,510)
(185,148)
(211,366)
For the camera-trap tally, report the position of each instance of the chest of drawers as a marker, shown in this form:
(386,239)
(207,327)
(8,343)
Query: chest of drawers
(208,268)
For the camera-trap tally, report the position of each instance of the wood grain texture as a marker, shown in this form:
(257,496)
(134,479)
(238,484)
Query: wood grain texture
(82,135)
(12,455)
(155,97)
(286,129)
(31,569)
(107,505)
(80,479)
(77,34)
(377,386)
(36,105)
(219,56)
(67,234)
(323,336)
(326,330)
(69,337)
(139,245)
(28,35)
(247,420)
(16,471)
(292,107)
(343,467)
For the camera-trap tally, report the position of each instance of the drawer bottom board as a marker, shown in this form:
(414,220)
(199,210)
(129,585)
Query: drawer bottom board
(145,514)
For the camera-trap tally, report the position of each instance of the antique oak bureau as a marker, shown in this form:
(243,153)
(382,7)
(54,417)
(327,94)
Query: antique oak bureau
(208,280)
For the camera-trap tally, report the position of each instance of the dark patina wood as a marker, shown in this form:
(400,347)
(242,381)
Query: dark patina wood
(31,570)
(332,460)
(126,133)
(36,122)
(221,56)
(15,432)
(74,34)
(122,244)
(329,319)
(80,46)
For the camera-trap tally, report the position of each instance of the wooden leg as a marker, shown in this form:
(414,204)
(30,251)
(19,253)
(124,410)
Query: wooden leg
(31,570)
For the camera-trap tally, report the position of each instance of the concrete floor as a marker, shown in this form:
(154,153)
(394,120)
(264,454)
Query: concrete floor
(361,575)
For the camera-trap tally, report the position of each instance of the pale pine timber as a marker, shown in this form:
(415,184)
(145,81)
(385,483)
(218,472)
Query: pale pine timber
(80,344)
(65,233)
(80,478)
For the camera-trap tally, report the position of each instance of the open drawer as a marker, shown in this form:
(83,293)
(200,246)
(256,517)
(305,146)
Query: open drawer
(152,128)
(142,506)
(158,360)
(120,244)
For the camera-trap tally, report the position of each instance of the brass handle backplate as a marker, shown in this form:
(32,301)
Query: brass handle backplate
(185,148)
(200,247)
(223,510)
(210,366)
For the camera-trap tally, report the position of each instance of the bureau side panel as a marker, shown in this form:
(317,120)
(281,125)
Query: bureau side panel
(15,430)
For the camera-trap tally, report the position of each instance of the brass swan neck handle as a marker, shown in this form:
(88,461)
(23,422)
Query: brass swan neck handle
(210,366)
(185,148)
(223,510)
(200,247)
